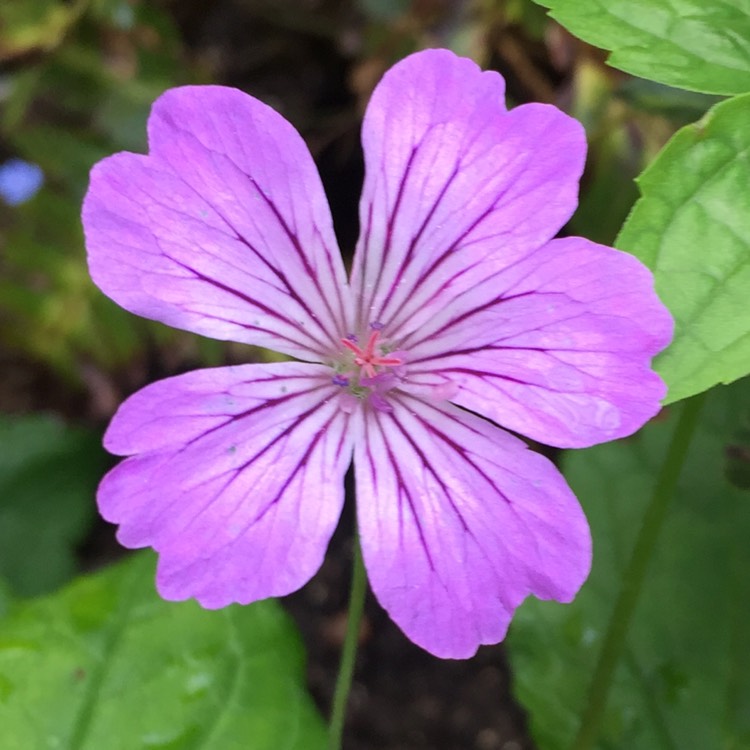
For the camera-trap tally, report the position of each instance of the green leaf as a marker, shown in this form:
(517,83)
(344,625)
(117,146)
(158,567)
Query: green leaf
(738,457)
(685,678)
(692,228)
(106,664)
(693,44)
(48,475)
(34,25)
(49,308)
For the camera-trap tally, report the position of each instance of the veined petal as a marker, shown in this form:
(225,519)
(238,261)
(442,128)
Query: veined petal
(453,179)
(237,481)
(562,353)
(459,522)
(223,229)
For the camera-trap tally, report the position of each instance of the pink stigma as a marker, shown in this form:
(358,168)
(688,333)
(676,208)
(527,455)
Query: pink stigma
(367,358)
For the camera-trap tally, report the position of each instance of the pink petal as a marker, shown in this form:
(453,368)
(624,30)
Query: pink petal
(562,353)
(238,481)
(453,178)
(459,522)
(223,229)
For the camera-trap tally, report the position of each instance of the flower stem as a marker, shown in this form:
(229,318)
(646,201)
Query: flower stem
(615,636)
(349,652)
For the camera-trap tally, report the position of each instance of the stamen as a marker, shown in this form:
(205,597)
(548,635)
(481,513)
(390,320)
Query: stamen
(367,358)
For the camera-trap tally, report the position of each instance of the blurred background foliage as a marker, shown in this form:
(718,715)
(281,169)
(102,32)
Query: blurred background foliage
(77,78)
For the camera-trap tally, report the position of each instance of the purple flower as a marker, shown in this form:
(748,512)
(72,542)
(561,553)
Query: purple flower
(459,303)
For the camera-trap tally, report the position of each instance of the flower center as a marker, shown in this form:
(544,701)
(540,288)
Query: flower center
(369,359)
(364,372)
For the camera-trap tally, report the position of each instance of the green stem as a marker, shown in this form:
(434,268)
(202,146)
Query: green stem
(349,652)
(613,644)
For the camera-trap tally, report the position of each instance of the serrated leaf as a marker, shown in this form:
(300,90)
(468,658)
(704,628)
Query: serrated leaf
(107,665)
(684,681)
(692,228)
(693,44)
(48,475)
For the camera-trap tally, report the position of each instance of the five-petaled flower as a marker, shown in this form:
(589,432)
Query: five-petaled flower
(460,303)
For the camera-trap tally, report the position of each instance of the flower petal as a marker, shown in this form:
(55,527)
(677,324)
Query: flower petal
(459,522)
(223,229)
(238,481)
(562,353)
(452,178)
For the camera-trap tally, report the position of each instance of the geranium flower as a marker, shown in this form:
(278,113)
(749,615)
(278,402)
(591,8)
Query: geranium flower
(460,303)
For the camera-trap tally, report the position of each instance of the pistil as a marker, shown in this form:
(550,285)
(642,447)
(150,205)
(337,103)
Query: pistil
(368,359)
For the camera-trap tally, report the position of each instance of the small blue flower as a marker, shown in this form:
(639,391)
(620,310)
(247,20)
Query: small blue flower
(20,181)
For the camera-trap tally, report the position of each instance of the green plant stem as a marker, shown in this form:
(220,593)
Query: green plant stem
(349,651)
(613,644)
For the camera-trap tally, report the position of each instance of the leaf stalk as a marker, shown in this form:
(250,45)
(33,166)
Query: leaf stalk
(349,651)
(615,637)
